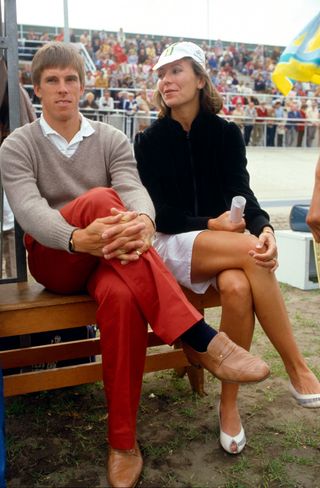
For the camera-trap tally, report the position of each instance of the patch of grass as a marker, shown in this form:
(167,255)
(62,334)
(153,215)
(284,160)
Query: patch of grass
(316,370)
(154,451)
(259,443)
(241,466)
(277,369)
(275,472)
(188,412)
(169,479)
(14,446)
(235,484)
(302,320)
(271,354)
(270,394)
(15,407)
(301,461)
(296,435)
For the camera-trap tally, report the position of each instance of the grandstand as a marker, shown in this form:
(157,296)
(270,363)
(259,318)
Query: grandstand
(121,62)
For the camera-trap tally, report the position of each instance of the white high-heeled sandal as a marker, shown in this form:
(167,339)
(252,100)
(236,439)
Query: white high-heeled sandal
(227,440)
(305,400)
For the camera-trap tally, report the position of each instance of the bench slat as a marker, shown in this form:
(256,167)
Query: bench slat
(50,353)
(50,379)
(18,322)
(21,296)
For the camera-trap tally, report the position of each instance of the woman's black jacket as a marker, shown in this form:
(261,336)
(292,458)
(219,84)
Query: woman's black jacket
(192,177)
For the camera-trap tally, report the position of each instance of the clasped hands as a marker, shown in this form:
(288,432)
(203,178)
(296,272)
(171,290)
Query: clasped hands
(265,253)
(124,235)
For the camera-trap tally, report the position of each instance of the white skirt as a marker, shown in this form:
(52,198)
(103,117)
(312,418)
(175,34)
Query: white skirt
(176,252)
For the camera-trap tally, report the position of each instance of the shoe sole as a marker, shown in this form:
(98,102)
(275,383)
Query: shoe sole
(133,486)
(230,381)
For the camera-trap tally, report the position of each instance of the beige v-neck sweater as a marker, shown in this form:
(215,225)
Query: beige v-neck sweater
(38,179)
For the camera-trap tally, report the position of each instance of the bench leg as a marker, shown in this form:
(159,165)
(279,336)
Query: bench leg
(195,375)
(196,378)
(180,372)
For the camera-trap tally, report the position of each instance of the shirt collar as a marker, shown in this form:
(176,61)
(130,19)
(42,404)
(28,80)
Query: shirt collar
(85,130)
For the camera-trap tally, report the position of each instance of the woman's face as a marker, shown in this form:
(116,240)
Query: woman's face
(178,84)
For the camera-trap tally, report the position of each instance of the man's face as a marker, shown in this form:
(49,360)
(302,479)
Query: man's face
(60,91)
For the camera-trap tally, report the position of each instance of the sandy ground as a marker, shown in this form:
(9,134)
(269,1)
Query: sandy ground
(57,439)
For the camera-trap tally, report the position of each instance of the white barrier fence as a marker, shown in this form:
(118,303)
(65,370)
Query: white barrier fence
(267,131)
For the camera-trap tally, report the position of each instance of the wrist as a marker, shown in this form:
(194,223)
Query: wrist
(268,230)
(149,219)
(71,245)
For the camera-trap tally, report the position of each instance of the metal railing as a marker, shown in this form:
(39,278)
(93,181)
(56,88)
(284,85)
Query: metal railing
(9,52)
(132,123)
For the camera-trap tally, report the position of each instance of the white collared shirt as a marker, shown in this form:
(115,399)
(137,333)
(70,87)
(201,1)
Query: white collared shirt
(65,147)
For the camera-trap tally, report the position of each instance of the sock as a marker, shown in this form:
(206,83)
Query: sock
(199,336)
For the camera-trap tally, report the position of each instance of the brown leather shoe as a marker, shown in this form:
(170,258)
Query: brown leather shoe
(124,467)
(228,362)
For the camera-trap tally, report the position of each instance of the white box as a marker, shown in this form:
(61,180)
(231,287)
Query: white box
(296,259)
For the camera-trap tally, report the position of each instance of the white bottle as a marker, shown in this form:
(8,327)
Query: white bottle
(237,207)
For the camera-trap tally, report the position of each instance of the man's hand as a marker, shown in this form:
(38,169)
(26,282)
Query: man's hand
(266,253)
(128,246)
(223,222)
(121,232)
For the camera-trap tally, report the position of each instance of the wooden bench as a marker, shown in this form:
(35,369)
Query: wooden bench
(27,308)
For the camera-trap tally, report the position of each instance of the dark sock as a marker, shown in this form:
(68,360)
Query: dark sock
(199,336)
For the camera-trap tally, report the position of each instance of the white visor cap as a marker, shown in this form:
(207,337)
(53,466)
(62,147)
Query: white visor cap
(181,50)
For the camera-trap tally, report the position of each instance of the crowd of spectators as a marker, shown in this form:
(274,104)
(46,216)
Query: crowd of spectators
(125,61)
(291,123)
(123,79)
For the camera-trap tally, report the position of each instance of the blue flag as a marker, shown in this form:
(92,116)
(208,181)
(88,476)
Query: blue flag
(300,61)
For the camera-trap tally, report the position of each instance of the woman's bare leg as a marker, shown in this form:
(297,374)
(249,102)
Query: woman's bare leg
(237,321)
(215,251)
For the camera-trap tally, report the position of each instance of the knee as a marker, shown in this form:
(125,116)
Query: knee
(250,244)
(236,289)
(96,203)
(102,200)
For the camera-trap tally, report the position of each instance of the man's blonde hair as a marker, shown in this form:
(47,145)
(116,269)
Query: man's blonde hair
(57,55)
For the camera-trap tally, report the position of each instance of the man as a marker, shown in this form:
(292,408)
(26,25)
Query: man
(312,114)
(58,173)
(280,114)
(260,125)
(106,102)
(313,217)
(291,126)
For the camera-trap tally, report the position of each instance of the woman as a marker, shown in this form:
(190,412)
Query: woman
(193,162)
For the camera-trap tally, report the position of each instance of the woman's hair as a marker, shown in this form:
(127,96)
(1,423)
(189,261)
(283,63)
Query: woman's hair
(210,100)
(57,55)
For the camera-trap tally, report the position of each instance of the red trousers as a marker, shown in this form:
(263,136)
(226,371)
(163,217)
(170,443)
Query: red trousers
(129,297)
